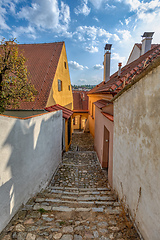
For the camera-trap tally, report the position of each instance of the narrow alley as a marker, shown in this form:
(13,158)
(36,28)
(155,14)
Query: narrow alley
(77,204)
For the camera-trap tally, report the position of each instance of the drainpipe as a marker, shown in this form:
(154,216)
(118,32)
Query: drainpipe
(146,42)
(107,60)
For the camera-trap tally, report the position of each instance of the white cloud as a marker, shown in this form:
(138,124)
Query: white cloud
(92,49)
(116,56)
(29,31)
(97,3)
(96,19)
(98,67)
(127,20)
(126,35)
(109,7)
(115,37)
(3,23)
(91,33)
(45,14)
(76,66)
(144,10)
(83,8)
(82,81)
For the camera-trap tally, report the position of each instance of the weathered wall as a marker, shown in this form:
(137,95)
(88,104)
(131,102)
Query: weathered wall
(100,122)
(30,152)
(136,152)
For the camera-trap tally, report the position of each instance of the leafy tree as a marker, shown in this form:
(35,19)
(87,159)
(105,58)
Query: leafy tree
(14,84)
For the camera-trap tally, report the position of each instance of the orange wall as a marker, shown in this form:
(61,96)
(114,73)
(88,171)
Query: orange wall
(93,98)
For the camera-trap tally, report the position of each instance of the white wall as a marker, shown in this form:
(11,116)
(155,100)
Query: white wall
(30,152)
(136,152)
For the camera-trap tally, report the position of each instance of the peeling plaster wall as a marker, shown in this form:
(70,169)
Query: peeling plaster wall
(136,152)
(30,152)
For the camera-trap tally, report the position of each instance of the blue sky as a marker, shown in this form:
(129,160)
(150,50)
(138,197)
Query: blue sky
(85,26)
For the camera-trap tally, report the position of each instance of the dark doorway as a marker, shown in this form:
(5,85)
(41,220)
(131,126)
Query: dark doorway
(69,130)
(105,162)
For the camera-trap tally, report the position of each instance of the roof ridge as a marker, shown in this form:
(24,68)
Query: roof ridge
(39,43)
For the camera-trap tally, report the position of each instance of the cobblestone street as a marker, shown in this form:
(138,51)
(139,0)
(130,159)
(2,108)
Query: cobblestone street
(77,204)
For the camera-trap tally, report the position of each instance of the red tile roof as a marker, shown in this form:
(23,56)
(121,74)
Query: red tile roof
(110,117)
(102,103)
(128,72)
(139,45)
(41,61)
(66,112)
(80,100)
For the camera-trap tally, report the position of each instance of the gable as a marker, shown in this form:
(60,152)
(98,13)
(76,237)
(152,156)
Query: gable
(61,90)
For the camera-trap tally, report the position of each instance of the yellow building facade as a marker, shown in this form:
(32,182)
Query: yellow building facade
(61,91)
(91,117)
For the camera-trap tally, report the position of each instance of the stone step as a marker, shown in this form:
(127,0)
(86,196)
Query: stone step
(79,189)
(63,208)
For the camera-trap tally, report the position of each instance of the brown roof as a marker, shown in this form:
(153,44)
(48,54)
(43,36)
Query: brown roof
(128,72)
(102,103)
(110,117)
(80,100)
(41,61)
(66,112)
(139,45)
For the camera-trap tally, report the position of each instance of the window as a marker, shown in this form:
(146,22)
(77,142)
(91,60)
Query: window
(65,65)
(74,121)
(69,87)
(59,85)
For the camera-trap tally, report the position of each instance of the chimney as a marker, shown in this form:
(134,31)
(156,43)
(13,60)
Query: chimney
(107,59)
(146,42)
(119,69)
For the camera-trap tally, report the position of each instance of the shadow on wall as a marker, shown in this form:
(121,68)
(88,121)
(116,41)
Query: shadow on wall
(27,160)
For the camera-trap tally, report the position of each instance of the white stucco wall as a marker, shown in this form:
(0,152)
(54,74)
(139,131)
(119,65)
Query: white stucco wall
(30,152)
(136,152)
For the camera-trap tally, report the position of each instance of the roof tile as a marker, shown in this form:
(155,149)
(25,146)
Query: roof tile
(128,72)
(66,112)
(41,61)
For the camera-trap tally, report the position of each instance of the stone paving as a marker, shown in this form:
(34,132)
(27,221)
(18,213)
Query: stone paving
(78,203)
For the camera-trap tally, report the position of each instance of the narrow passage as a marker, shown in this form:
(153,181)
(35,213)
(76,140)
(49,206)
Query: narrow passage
(78,204)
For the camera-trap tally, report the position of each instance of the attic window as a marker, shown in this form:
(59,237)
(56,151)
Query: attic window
(59,85)
(65,65)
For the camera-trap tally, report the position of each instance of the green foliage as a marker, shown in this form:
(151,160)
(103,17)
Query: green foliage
(41,210)
(14,83)
(88,86)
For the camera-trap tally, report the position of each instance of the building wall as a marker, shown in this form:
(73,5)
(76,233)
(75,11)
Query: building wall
(30,152)
(93,98)
(100,122)
(136,53)
(136,152)
(64,97)
(84,117)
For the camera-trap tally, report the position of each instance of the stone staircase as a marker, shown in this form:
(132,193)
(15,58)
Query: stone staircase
(78,203)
